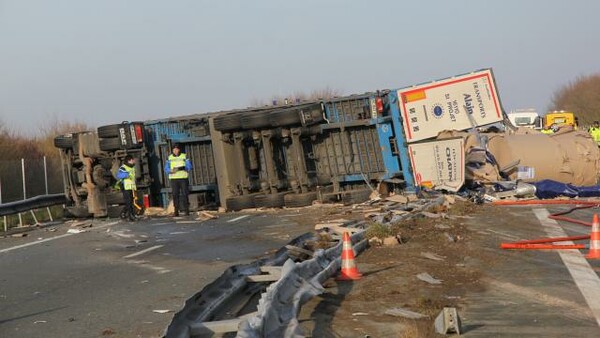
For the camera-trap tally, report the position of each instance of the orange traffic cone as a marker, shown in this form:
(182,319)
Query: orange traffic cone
(594,239)
(349,270)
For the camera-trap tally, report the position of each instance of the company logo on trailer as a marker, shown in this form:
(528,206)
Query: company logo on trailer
(438,111)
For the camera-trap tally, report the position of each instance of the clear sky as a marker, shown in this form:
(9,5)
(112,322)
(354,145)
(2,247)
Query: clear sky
(105,61)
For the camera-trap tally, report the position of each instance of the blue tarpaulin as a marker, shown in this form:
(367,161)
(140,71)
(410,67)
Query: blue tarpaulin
(553,189)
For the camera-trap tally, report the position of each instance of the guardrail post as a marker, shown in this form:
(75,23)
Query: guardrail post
(50,214)
(20,220)
(5,220)
(23,175)
(34,218)
(46,174)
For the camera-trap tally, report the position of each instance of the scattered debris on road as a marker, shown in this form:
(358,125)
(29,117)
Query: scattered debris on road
(162,311)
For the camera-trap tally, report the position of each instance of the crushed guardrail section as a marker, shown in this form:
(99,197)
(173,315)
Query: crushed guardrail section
(279,306)
(293,284)
(204,305)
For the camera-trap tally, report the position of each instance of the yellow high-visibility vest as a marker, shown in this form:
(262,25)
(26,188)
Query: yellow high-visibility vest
(595,133)
(129,181)
(179,163)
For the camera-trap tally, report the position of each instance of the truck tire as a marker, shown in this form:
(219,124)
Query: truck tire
(110,130)
(240,202)
(114,211)
(64,141)
(284,118)
(110,144)
(228,122)
(115,197)
(256,120)
(270,200)
(356,196)
(76,212)
(299,200)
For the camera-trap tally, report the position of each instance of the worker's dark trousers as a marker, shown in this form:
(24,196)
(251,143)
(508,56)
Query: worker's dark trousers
(180,195)
(128,209)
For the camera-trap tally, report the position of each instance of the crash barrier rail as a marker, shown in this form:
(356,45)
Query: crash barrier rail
(37,202)
(206,304)
(30,204)
(195,318)
(280,305)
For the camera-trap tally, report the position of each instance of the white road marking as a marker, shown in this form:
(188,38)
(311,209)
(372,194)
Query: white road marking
(237,218)
(503,234)
(179,232)
(584,276)
(51,239)
(158,269)
(135,254)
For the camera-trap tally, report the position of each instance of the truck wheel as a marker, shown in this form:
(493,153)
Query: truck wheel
(356,196)
(110,130)
(299,200)
(64,141)
(114,211)
(110,144)
(115,198)
(313,116)
(256,120)
(240,202)
(270,201)
(228,122)
(77,212)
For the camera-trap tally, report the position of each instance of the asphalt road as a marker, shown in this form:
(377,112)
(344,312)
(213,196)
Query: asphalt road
(109,280)
(546,293)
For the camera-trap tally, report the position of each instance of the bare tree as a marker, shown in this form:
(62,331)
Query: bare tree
(53,128)
(581,96)
(297,97)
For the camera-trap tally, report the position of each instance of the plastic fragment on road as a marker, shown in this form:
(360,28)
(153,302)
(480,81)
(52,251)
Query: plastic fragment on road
(400,312)
(162,311)
(433,256)
(425,277)
(75,231)
(448,321)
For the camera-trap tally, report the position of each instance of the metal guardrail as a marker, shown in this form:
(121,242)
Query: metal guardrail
(280,305)
(204,305)
(40,201)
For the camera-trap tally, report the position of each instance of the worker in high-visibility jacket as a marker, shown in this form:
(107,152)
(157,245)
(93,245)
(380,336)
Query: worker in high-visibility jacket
(595,132)
(178,167)
(126,177)
(547,130)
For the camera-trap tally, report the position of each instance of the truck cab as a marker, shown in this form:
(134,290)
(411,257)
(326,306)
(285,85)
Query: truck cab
(527,118)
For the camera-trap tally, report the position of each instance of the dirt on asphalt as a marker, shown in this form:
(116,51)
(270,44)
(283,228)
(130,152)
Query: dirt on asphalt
(441,245)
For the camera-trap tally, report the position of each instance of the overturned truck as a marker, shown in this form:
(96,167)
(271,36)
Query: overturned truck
(338,149)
